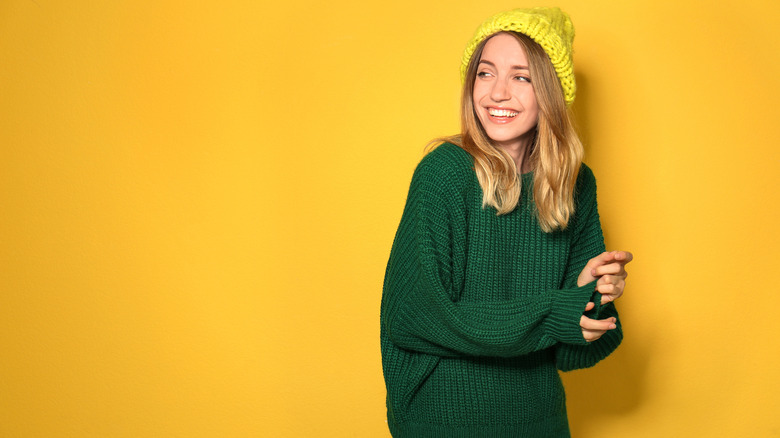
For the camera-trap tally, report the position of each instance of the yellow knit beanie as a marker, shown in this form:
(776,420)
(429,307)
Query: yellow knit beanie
(551,28)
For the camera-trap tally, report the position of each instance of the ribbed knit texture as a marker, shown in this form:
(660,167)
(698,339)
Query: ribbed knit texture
(551,28)
(479,311)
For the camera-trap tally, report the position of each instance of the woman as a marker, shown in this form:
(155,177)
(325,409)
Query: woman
(498,277)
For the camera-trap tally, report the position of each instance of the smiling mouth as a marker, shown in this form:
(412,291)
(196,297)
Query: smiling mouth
(495,112)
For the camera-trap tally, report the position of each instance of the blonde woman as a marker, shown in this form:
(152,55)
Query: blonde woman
(498,276)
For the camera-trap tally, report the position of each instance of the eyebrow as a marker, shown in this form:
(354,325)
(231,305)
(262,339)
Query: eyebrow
(515,67)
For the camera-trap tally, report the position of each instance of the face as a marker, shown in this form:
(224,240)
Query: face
(504,97)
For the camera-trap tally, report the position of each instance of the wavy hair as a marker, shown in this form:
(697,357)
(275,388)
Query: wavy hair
(556,153)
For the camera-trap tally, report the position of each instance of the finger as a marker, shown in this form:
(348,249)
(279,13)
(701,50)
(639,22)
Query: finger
(589,306)
(592,335)
(601,259)
(609,279)
(597,324)
(623,256)
(609,290)
(608,298)
(608,269)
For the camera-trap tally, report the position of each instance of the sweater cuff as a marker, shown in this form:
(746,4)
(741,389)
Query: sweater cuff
(563,322)
(595,312)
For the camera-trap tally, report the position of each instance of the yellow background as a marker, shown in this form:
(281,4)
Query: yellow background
(197,202)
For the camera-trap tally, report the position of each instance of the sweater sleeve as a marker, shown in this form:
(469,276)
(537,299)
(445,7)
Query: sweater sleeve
(420,309)
(588,242)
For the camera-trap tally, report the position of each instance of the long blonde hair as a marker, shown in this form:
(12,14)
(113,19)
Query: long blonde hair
(556,153)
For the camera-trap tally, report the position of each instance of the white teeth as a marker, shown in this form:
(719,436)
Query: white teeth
(501,112)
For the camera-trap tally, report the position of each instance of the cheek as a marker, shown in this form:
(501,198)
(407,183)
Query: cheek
(476,93)
(529,97)
(533,110)
(476,96)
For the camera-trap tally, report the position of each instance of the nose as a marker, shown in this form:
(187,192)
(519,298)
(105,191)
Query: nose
(500,91)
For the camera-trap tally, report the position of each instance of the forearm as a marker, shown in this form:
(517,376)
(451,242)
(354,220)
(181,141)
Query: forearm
(426,320)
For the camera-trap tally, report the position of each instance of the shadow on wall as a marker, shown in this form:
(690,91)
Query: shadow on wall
(616,386)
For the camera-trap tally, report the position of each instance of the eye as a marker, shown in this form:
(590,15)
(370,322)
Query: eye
(523,78)
(483,74)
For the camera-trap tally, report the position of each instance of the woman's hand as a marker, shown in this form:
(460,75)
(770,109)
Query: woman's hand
(593,329)
(610,270)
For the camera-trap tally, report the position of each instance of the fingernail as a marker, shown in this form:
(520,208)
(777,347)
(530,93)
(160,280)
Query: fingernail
(612,326)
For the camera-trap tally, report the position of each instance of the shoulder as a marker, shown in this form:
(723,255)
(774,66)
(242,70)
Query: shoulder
(447,158)
(586,175)
(447,164)
(585,201)
(586,181)
(447,161)
(445,175)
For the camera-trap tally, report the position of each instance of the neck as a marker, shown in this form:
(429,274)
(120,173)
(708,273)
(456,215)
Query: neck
(520,151)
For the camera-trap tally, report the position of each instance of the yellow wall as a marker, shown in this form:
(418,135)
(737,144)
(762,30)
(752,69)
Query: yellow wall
(197,202)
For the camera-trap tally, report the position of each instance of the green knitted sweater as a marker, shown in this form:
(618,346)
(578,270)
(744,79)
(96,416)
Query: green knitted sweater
(479,311)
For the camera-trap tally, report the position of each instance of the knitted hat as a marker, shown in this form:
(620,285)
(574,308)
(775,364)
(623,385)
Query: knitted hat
(551,28)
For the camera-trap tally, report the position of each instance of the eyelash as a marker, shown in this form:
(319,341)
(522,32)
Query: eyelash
(483,74)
